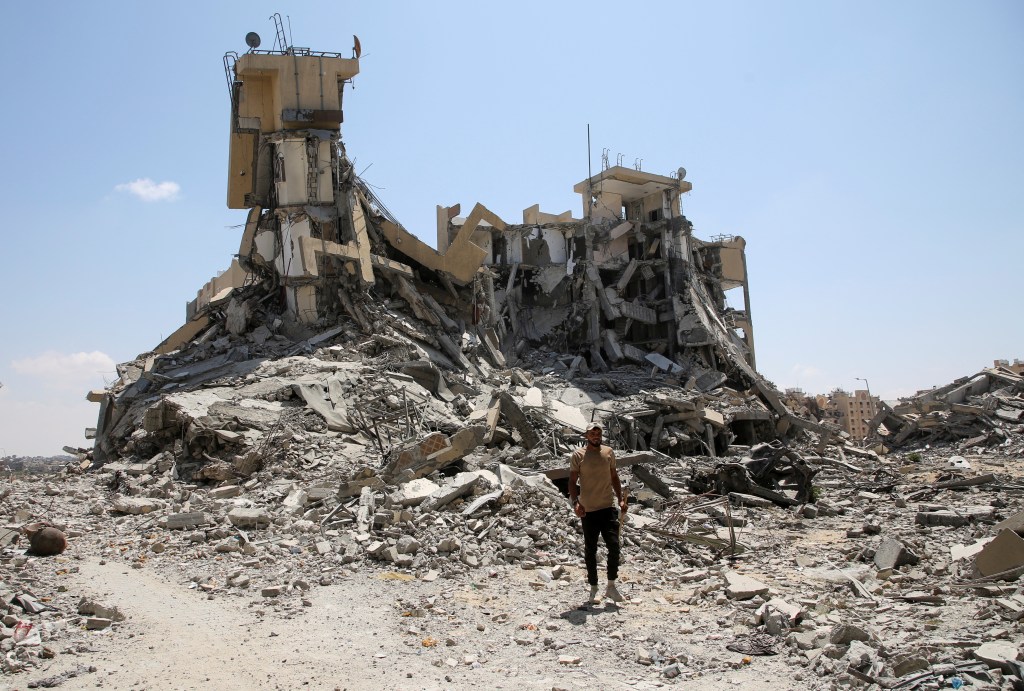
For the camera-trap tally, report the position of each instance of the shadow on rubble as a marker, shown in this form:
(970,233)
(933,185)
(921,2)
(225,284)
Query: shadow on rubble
(578,615)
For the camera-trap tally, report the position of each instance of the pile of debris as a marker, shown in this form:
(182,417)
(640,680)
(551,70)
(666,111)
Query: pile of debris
(346,397)
(985,410)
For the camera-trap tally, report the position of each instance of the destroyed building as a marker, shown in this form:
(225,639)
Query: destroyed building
(322,260)
(347,411)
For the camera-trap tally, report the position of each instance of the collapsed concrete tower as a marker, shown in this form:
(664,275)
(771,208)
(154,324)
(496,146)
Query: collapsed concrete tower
(285,160)
(322,261)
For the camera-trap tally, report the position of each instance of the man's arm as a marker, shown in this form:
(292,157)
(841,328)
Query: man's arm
(617,486)
(574,477)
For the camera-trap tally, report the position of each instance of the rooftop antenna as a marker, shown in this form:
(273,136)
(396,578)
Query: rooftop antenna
(590,171)
(281,40)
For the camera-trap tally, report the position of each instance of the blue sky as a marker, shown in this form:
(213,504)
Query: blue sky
(869,152)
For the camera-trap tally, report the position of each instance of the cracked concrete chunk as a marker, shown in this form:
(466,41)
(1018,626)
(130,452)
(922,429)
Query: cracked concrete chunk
(741,587)
(1002,554)
(999,655)
(414,492)
(136,505)
(892,553)
(249,518)
(843,634)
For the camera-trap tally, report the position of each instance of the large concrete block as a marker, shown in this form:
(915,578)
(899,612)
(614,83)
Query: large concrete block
(892,553)
(249,518)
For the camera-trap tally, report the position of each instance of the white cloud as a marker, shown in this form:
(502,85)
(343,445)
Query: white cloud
(149,191)
(67,370)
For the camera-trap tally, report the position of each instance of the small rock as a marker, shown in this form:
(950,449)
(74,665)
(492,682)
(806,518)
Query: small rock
(408,545)
(843,634)
(902,666)
(88,607)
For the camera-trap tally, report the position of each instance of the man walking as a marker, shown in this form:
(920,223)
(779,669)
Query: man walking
(599,502)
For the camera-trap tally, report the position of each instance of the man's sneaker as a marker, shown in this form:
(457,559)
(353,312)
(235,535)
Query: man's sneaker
(612,593)
(594,598)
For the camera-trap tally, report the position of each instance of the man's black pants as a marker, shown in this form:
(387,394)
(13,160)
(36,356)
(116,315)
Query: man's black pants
(606,524)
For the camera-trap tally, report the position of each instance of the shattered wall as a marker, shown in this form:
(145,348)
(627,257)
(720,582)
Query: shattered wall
(324,269)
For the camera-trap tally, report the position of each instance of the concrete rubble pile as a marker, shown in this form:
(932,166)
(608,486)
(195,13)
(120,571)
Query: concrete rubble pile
(985,410)
(900,570)
(346,399)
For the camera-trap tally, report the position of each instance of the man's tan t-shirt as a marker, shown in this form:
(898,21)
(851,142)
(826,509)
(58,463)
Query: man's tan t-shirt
(595,471)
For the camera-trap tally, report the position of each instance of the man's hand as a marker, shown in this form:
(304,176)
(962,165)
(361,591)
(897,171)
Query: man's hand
(623,506)
(579,510)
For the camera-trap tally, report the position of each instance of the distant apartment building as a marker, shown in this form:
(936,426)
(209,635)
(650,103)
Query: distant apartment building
(854,411)
(1017,367)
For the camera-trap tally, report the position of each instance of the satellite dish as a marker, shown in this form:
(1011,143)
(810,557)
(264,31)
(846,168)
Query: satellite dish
(681,173)
(252,39)
(357,48)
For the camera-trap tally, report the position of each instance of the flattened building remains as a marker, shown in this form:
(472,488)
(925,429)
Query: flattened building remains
(509,337)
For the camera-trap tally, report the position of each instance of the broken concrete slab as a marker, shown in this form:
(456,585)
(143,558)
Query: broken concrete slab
(183,521)
(1002,655)
(1014,523)
(843,634)
(459,487)
(958,552)
(414,492)
(570,416)
(1003,554)
(136,505)
(741,587)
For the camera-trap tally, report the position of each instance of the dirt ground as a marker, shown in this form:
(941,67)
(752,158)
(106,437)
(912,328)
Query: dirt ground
(382,630)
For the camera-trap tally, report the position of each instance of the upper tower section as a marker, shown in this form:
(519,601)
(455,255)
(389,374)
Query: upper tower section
(286,90)
(619,193)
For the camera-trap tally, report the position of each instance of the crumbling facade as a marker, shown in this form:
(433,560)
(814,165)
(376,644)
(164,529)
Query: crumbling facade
(626,281)
(625,284)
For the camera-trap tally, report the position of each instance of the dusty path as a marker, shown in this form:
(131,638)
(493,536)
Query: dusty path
(367,632)
(176,638)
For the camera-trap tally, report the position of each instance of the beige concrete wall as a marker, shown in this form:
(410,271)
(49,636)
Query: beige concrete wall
(462,259)
(734,265)
(608,207)
(534,216)
(270,85)
(287,82)
(233,277)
